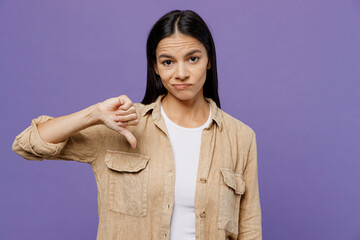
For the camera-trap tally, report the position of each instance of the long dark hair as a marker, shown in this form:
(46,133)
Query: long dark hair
(189,23)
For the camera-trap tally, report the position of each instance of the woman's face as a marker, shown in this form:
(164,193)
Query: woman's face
(181,62)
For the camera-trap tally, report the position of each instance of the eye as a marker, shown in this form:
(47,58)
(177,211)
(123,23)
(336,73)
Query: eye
(167,62)
(194,59)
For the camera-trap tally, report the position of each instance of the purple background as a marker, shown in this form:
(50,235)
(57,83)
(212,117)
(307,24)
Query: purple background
(290,69)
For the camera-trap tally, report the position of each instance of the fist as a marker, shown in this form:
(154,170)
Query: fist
(117,113)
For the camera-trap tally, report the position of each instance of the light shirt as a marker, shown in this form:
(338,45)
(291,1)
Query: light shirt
(185,143)
(136,187)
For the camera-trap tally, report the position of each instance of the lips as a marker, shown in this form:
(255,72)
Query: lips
(182,86)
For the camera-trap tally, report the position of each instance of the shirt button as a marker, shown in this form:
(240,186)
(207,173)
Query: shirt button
(203,180)
(171,173)
(203,214)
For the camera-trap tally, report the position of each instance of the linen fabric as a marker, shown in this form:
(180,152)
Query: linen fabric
(136,186)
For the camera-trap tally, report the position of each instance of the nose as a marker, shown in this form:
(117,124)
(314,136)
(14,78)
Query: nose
(181,71)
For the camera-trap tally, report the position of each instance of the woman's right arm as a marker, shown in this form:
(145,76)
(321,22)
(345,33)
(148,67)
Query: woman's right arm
(115,113)
(76,136)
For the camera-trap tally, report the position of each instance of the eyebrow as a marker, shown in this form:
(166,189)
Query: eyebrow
(188,54)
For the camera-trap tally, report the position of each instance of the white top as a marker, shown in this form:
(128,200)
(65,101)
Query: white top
(185,143)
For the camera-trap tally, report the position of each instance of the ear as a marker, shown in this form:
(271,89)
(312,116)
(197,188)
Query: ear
(208,65)
(155,68)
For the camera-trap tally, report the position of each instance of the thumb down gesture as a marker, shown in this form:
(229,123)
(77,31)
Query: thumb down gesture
(117,113)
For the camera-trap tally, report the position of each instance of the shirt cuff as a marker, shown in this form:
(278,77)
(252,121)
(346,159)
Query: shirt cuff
(31,141)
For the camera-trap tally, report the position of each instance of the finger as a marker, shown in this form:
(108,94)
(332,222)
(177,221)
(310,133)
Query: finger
(126,103)
(129,137)
(129,123)
(120,112)
(121,100)
(126,118)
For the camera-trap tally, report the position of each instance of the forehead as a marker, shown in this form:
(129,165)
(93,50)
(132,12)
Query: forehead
(178,42)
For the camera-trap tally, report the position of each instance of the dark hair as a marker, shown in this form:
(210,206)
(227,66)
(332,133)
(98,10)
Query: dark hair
(189,23)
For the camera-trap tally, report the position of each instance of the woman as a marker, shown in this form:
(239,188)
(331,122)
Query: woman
(174,166)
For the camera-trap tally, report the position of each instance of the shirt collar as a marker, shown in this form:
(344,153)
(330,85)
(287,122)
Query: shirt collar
(156,111)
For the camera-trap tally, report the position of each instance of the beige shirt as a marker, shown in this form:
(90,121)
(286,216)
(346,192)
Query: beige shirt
(136,186)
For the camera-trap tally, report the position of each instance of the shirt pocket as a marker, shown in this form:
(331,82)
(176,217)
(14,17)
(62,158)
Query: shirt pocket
(128,182)
(232,186)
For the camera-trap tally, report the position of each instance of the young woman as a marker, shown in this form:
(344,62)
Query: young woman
(172,167)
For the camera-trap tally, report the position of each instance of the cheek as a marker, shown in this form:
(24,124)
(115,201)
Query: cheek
(201,74)
(166,75)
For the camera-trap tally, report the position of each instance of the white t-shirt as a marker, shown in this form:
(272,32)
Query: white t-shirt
(185,143)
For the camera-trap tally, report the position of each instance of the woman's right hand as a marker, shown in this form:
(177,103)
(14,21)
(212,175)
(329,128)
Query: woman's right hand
(117,113)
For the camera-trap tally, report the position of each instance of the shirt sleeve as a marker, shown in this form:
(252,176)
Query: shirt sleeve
(83,146)
(250,210)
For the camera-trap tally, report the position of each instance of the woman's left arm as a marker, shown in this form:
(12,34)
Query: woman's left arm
(250,211)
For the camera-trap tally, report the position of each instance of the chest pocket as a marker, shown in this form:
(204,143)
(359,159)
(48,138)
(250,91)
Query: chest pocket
(232,186)
(127,182)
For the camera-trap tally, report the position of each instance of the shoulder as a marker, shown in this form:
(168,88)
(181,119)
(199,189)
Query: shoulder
(235,126)
(140,109)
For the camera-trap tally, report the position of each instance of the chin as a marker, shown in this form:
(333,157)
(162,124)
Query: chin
(184,96)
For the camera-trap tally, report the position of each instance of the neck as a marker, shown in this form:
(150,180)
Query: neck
(186,113)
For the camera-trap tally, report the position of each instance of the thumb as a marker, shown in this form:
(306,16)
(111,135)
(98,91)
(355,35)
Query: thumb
(125,102)
(129,136)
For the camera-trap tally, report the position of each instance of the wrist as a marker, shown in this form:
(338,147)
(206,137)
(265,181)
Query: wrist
(94,115)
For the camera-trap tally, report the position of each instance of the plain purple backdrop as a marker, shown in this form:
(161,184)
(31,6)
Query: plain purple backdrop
(290,69)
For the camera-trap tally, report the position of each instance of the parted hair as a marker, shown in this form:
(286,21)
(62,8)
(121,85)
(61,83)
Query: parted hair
(188,23)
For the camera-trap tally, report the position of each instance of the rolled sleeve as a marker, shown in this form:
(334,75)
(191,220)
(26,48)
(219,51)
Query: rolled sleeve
(83,146)
(29,144)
